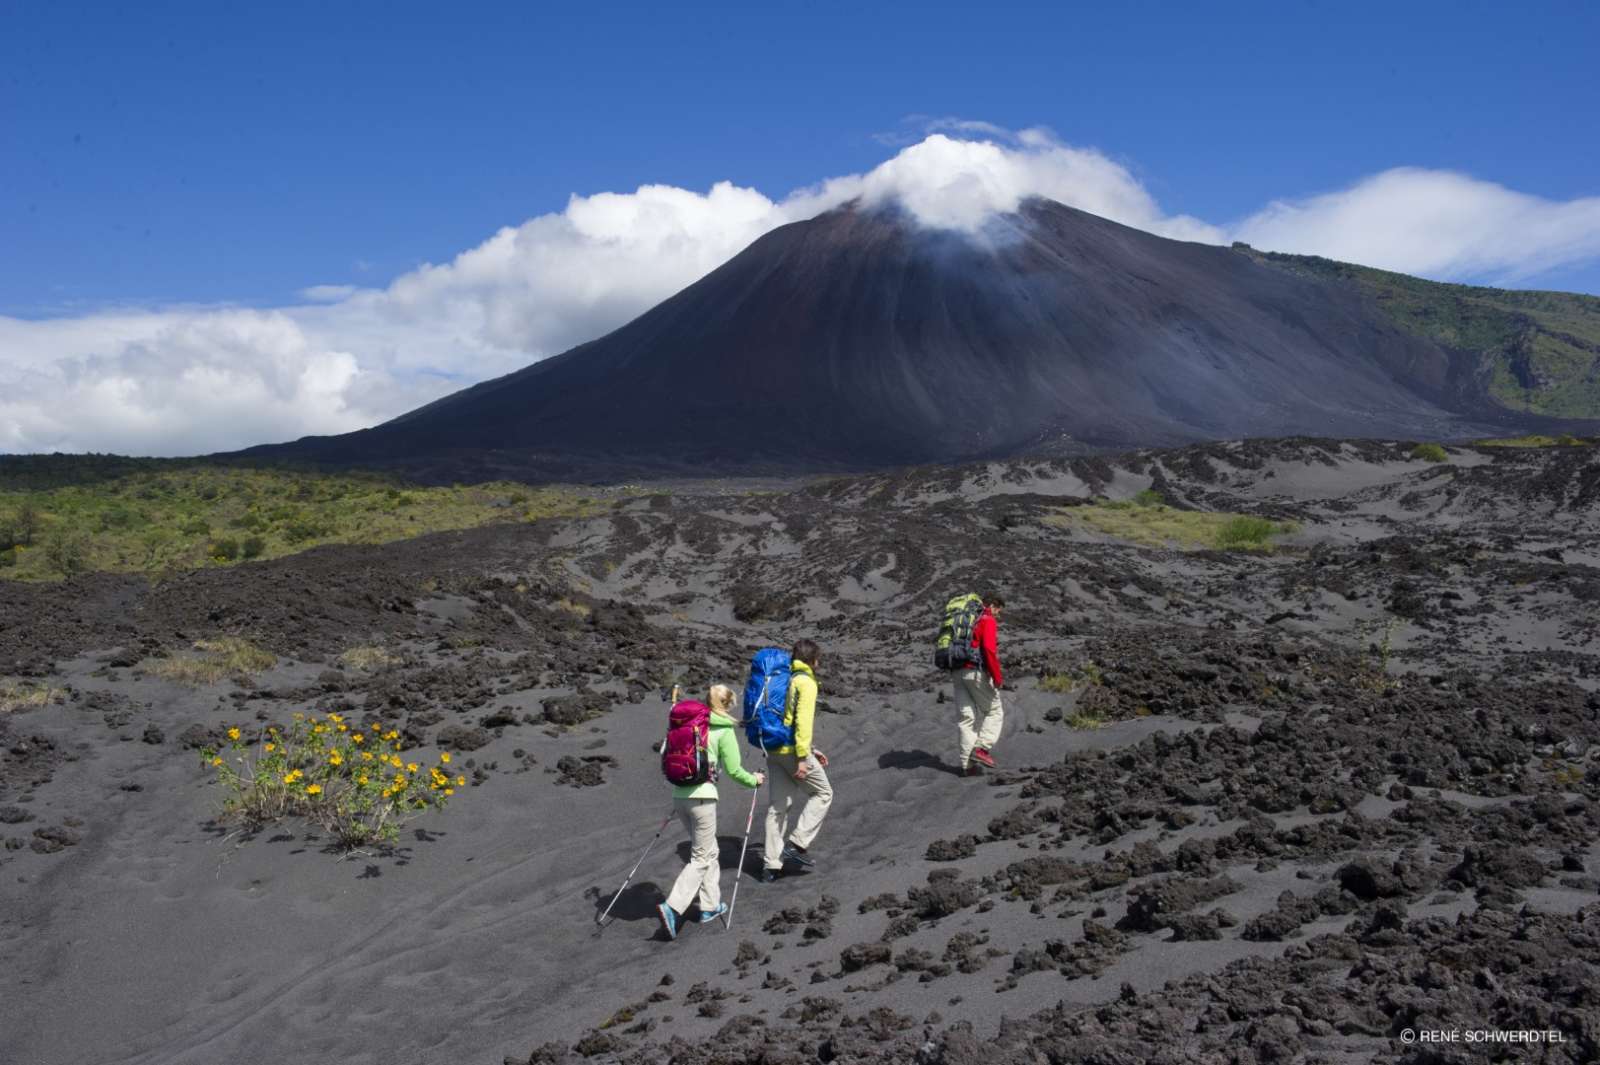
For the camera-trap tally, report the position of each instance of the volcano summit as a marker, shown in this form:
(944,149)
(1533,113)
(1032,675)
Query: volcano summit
(859,339)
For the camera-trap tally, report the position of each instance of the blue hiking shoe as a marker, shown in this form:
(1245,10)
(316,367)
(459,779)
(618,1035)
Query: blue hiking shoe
(797,855)
(669,920)
(769,876)
(707,916)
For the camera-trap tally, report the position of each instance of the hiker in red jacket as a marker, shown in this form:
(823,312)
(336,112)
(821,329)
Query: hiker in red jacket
(978,691)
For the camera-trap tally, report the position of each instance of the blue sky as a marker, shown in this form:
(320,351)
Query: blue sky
(227,224)
(159,152)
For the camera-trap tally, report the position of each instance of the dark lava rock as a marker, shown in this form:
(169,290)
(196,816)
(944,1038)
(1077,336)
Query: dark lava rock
(567,710)
(153,735)
(858,957)
(197,736)
(1153,905)
(500,718)
(1368,880)
(952,850)
(462,738)
(585,772)
(14,815)
(50,840)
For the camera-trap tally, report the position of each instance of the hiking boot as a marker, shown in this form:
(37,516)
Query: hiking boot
(972,771)
(982,756)
(669,920)
(793,852)
(770,875)
(707,916)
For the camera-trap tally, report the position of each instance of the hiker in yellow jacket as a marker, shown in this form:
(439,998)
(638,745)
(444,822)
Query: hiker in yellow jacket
(797,773)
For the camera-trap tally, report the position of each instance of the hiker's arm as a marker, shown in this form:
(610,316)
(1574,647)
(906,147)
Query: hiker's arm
(805,707)
(989,644)
(728,755)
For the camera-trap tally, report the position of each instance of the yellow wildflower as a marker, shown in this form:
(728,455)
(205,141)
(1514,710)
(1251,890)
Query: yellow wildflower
(271,747)
(392,735)
(344,728)
(399,782)
(375,727)
(335,759)
(216,761)
(356,737)
(362,779)
(461,782)
(449,791)
(366,756)
(313,789)
(444,756)
(298,716)
(288,778)
(233,734)
(335,718)
(412,767)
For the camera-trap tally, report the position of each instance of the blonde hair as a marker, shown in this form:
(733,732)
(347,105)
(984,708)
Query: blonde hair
(721,698)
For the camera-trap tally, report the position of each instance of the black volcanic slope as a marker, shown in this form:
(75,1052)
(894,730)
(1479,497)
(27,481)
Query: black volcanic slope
(860,339)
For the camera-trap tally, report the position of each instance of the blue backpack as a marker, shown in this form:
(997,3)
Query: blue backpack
(765,696)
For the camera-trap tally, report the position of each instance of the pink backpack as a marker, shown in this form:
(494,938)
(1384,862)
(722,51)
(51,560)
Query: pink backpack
(686,754)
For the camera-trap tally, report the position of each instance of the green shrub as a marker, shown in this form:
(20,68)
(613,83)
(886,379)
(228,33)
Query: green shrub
(252,547)
(195,527)
(1245,531)
(8,558)
(1429,453)
(225,550)
(251,521)
(1148,498)
(66,550)
(302,529)
(25,526)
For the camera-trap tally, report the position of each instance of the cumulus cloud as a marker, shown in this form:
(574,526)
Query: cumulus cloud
(194,380)
(1433,222)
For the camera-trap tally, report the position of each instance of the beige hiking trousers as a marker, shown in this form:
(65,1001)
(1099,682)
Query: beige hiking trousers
(702,876)
(981,713)
(814,794)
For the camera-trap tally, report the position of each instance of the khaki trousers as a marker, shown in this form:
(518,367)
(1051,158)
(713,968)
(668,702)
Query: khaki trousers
(981,713)
(814,794)
(702,876)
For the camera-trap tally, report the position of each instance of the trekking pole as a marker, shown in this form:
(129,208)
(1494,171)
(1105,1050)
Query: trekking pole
(749,821)
(601,920)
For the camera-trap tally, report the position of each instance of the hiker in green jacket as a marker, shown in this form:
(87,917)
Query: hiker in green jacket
(696,807)
(798,772)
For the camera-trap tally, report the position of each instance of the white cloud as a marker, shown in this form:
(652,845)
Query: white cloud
(1435,223)
(328,293)
(192,380)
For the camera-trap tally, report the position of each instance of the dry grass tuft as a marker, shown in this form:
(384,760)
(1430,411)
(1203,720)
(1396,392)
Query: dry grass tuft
(22,695)
(368,658)
(218,659)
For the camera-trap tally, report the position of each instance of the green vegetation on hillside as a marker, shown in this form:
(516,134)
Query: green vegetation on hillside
(168,515)
(1540,351)
(1145,521)
(1536,440)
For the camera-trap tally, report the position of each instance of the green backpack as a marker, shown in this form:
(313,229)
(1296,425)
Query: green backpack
(953,649)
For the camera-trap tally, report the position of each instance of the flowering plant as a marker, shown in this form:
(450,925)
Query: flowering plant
(351,780)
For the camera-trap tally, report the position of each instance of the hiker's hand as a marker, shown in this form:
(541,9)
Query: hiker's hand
(761,778)
(801,770)
(822,759)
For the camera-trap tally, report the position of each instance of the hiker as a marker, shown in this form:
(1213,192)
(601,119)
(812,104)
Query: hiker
(798,772)
(978,690)
(696,804)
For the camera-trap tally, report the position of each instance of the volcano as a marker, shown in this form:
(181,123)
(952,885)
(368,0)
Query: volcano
(861,339)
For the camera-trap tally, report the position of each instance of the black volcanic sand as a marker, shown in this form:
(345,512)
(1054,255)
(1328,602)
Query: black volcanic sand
(1344,789)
